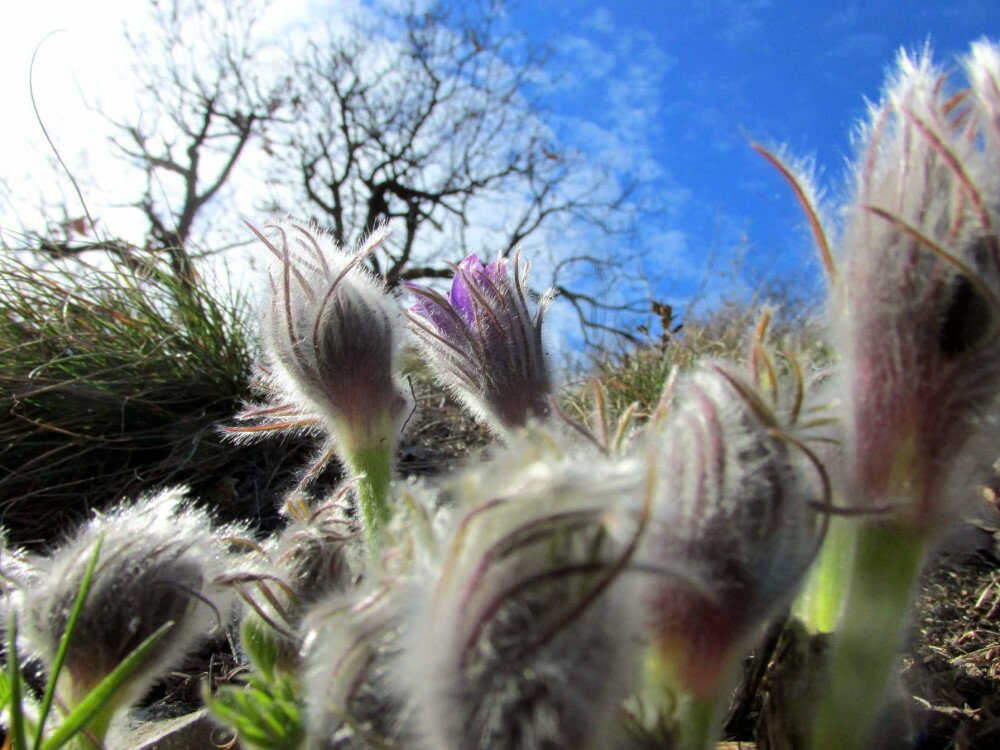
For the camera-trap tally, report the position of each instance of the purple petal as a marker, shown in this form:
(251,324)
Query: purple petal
(460,296)
(432,311)
(497,271)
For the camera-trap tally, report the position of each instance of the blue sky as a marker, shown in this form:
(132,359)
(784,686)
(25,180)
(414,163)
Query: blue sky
(683,86)
(671,92)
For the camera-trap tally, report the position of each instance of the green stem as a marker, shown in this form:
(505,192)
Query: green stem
(886,563)
(822,598)
(699,723)
(375,470)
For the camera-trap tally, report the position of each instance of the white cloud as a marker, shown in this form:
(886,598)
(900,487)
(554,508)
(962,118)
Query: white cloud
(590,60)
(83,67)
(734,21)
(601,20)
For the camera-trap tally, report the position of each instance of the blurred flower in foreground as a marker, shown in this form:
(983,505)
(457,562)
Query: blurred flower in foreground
(351,639)
(734,530)
(918,308)
(482,342)
(331,336)
(352,700)
(157,564)
(522,632)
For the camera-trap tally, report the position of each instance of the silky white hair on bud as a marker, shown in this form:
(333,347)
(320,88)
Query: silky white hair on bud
(16,569)
(521,635)
(331,335)
(352,699)
(319,550)
(736,500)
(982,68)
(17,575)
(315,555)
(158,562)
(351,641)
(918,312)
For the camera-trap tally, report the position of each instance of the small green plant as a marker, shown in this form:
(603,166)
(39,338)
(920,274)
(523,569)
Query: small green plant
(265,710)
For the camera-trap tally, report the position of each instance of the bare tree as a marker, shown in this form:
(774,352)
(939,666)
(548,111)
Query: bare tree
(426,119)
(203,98)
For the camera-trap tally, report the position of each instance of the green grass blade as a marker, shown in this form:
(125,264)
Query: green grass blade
(4,690)
(57,664)
(100,696)
(18,741)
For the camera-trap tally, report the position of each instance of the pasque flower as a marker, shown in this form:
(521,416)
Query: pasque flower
(918,306)
(315,555)
(331,336)
(484,344)
(352,700)
(734,528)
(522,632)
(158,563)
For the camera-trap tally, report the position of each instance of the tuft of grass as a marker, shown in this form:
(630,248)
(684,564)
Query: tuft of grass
(637,374)
(113,376)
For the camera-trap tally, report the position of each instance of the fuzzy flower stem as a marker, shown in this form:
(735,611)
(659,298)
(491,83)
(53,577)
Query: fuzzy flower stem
(886,563)
(374,468)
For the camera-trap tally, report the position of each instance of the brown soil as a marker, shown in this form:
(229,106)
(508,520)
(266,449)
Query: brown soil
(952,669)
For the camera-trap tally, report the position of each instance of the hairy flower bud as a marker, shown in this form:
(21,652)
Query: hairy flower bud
(352,699)
(331,336)
(158,561)
(918,306)
(732,512)
(483,343)
(316,555)
(522,635)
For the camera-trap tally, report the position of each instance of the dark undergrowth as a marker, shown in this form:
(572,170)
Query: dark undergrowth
(114,378)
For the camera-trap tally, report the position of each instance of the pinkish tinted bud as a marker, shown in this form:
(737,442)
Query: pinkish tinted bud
(917,306)
(733,510)
(484,344)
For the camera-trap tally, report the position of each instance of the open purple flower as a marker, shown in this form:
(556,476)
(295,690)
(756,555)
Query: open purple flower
(484,344)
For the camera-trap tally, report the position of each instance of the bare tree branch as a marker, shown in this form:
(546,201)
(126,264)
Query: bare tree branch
(201,106)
